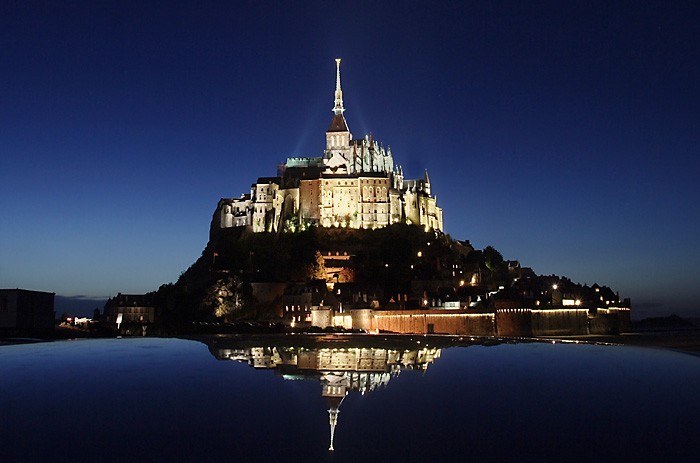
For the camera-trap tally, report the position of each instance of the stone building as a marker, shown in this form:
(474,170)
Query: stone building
(131,307)
(355,183)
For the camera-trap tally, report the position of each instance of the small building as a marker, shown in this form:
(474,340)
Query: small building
(131,307)
(302,299)
(26,312)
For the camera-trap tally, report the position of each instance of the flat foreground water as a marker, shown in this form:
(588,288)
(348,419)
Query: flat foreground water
(169,400)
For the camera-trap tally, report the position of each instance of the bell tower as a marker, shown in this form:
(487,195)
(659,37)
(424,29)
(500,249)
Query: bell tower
(338,135)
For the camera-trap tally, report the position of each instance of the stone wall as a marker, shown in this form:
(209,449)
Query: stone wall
(559,322)
(610,321)
(525,322)
(434,321)
(322,317)
(361,319)
(506,322)
(514,322)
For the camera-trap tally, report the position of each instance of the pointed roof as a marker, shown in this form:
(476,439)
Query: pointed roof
(338,124)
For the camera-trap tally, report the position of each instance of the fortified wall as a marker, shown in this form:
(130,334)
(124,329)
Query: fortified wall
(511,322)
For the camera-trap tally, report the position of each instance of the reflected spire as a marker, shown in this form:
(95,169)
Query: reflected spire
(335,388)
(333,420)
(334,402)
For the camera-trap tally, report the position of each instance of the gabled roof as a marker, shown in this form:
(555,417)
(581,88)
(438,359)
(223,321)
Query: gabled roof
(338,124)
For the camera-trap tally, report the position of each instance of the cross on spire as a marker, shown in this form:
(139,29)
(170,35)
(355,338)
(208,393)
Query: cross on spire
(338,108)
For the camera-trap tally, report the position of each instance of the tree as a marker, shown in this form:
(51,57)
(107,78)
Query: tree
(493,259)
(346,275)
(224,298)
(316,270)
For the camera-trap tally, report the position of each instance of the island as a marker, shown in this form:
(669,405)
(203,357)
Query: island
(344,242)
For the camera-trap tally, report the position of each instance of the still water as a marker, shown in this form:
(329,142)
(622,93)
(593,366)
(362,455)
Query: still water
(281,399)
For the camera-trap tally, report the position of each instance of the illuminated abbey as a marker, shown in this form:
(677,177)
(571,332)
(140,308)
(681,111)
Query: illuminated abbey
(354,184)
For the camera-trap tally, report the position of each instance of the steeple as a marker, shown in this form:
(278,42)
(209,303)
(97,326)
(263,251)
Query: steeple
(338,123)
(338,108)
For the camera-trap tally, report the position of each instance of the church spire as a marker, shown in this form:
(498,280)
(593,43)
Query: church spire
(338,108)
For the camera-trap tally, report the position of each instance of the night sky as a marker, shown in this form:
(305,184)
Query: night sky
(565,134)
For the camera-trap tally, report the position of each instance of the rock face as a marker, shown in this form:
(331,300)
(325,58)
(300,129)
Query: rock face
(398,278)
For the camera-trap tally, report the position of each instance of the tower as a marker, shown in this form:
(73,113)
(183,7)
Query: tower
(338,135)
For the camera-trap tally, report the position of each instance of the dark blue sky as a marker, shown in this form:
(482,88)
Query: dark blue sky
(565,134)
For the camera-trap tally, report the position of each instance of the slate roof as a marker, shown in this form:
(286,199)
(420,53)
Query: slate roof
(338,124)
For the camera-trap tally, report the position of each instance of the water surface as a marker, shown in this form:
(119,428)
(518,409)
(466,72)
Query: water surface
(233,399)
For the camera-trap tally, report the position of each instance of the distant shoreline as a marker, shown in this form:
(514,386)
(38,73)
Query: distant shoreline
(681,339)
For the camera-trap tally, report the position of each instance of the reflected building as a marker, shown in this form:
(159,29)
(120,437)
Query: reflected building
(338,367)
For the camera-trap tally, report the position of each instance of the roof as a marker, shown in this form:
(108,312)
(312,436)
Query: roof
(311,173)
(20,290)
(134,300)
(338,124)
(264,180)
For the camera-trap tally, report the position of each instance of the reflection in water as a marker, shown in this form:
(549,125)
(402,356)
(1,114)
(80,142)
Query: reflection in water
(149,399)
(339,367)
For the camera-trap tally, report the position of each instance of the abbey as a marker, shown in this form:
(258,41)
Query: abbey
(354,184)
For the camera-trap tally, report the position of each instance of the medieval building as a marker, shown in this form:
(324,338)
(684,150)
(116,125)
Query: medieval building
(354,184)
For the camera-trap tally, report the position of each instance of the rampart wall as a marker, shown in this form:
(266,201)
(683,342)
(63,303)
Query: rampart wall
(559,322)
(434,321)
(507,322)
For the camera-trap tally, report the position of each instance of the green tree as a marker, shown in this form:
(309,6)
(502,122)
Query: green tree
(224,298)
(493,259)
(316,270)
